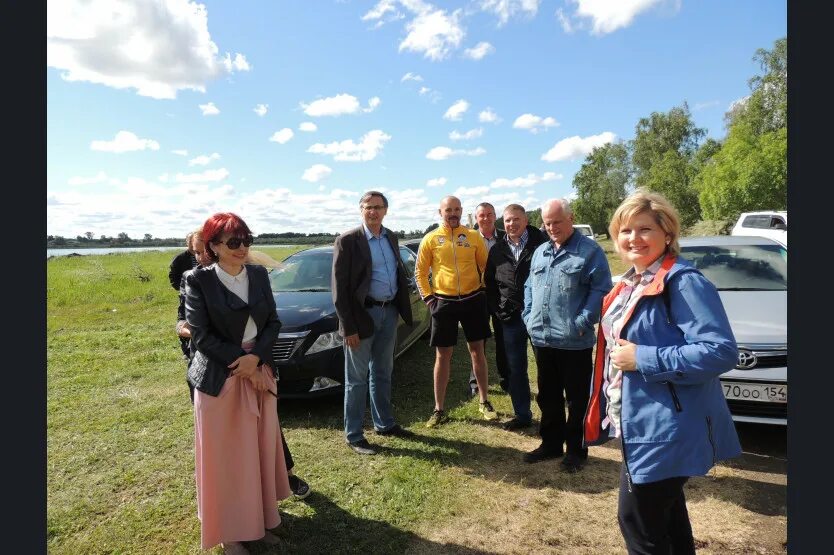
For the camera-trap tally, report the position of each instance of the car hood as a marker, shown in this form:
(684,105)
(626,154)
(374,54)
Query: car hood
(757,316)
(301,309)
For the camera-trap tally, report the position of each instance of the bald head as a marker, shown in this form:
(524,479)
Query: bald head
(450,210)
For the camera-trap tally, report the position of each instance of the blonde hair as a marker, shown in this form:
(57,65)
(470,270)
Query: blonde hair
(655,204)
(262,259)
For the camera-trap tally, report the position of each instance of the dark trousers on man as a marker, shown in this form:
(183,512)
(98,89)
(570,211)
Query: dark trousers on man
(653,517)
(500,359)
(563,375)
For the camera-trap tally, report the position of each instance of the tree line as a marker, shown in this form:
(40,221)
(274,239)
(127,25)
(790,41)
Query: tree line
(710,182)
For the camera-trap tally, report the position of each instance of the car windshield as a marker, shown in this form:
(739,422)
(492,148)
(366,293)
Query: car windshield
(584,231)
(741,267)
(303,271)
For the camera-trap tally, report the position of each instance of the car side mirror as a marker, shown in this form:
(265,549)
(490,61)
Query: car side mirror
(780,225)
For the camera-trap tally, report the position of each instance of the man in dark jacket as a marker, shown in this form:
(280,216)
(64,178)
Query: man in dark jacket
(370,291)
(184,261)
(508,266)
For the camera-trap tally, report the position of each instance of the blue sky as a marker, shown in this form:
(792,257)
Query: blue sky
(160,113)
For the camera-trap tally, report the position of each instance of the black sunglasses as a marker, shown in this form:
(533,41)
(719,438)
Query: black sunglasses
(236,242)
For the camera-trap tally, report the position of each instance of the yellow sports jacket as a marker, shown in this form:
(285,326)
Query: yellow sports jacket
(456,258)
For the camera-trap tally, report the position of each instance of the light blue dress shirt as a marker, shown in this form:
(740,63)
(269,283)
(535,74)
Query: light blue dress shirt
(383,266)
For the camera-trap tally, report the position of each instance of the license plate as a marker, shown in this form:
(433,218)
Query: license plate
(766,393)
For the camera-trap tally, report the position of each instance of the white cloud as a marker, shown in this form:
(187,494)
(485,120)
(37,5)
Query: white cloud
(534,123)
(380,9)
(433,33)
(100,177)
(703,105)
(125,141)
(488,116)
(444,152)
(368,147)
(469,191)
(209,109)
(308,126)
(479,51)
(208,175)
(505,9)
(528,181)
(373,104)
(433,95)
(456,110)
(436,182)
(469,135)
(576,147)
(411,77)
(180,152)
(316,173)
(282,136)
(564,21)
(606,16)
(261,109)
(157,48)
(203,159)
(338,105)
(239,63)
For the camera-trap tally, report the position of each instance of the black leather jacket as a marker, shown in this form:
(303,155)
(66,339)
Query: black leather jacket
(504,277)
(218,317)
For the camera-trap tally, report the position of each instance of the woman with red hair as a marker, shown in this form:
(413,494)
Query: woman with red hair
(240,468)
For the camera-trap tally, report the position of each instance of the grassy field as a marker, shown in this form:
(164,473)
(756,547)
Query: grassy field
(120,453)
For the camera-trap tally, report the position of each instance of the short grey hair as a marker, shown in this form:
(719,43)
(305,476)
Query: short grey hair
(565,203)
(367,196)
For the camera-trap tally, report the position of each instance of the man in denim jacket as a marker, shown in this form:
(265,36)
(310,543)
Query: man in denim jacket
(569,276)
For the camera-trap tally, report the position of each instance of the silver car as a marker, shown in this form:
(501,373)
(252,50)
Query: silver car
(751,275)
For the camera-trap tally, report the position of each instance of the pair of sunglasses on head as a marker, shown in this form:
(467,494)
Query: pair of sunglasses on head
(235,242)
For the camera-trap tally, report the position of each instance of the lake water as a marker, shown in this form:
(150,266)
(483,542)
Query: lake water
(108,250)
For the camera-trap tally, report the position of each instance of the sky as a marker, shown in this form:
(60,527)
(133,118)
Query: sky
(161,113)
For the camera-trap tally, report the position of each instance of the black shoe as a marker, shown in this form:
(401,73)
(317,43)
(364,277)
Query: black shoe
(300,488)
(397,431)
(362,447)
(505,385)
(572,464)
(472,391)
(516,424)
(542,453)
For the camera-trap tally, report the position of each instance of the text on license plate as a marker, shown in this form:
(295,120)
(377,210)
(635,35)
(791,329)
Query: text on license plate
(767,393)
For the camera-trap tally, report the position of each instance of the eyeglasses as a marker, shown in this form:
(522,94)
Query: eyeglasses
(368,208)
(236,242)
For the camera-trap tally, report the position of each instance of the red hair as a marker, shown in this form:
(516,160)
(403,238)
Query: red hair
(220,223)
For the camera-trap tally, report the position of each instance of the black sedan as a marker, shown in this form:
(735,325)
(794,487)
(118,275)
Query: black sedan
(308,352)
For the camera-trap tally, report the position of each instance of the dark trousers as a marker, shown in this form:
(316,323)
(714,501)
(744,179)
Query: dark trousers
(500,357)
(563,375)
(653,517)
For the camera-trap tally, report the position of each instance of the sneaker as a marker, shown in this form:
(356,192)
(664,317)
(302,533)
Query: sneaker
(300,488)
(487,410)
(542,453)
(516,424)
(362,447)
(437,418)
(397,431)
(572,464)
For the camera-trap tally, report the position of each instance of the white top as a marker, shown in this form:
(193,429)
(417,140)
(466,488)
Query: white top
(239,285)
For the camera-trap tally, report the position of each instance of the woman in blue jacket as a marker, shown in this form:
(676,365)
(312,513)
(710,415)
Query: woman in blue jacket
(663,340)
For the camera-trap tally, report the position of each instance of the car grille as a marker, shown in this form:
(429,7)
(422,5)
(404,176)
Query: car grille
(767,356)
(755,408)
(284,347)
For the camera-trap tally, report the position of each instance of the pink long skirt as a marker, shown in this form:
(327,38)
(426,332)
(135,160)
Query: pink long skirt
(240,468)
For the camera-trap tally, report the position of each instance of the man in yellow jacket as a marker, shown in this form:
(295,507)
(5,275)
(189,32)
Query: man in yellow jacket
(456,257)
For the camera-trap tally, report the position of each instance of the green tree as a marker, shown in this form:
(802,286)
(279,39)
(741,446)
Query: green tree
(431,227)
(601,185)
(750,172)
(534,217)
(663,157)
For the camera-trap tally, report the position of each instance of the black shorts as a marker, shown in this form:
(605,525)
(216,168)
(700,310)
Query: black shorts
(472,314)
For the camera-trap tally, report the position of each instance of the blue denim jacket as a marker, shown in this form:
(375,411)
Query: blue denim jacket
(563,294)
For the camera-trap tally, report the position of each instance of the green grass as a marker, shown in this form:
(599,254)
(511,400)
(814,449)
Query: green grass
(120,453)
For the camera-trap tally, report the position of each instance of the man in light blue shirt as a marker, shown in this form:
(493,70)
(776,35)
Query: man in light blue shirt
(370,291)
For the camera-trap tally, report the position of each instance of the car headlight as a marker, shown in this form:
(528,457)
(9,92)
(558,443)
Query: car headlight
(325,341)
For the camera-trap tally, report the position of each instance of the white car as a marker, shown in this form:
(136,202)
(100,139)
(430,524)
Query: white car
(585,230)
(767,223)
(751,275)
